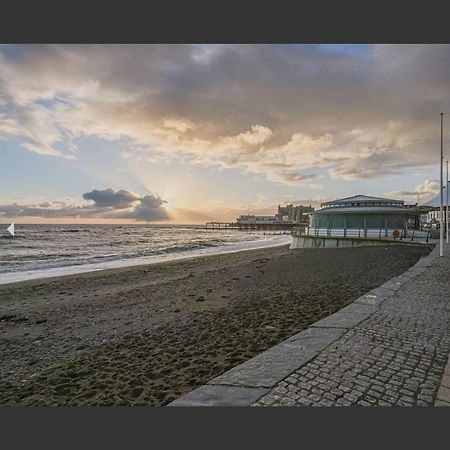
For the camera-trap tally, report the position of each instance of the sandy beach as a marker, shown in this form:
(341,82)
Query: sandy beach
(145,335)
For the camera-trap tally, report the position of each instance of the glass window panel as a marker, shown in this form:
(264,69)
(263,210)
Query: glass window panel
(355,221)
(396,221)
(375,221)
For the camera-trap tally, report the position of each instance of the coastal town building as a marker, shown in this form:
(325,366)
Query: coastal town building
(295,214)
(362,212)
(433,207)
(288,214)
(434,216)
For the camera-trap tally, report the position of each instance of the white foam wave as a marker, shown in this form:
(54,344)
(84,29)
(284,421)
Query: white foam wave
(14,277)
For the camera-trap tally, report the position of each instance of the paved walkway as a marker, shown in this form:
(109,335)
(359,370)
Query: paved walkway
(390,347)
(395,357)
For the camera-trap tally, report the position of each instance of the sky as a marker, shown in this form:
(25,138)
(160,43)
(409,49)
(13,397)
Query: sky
(192,133)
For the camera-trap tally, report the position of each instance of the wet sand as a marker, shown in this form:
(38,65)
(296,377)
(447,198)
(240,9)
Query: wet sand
(148,334)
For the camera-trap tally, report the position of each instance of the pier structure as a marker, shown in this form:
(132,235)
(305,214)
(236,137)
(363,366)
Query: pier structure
(218,225)
(286,218)
(280,225)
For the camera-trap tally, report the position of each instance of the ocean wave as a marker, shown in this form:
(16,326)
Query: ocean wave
(82,267)
(51,246)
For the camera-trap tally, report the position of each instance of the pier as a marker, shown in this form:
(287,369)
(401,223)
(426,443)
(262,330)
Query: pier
(254,226)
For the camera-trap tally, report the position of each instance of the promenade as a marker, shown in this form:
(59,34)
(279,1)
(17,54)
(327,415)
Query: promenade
(389,347)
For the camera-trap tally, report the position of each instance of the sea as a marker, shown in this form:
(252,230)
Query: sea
(40,251)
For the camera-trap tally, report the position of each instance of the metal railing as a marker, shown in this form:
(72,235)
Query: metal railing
(367,233)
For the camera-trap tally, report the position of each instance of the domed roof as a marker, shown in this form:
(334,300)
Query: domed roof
(360,198)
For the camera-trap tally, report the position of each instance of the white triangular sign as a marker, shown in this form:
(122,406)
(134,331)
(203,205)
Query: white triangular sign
(10,229)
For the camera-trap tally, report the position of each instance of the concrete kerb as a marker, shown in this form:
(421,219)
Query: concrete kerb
(208,395)
(443,396)
(244,384)
(380,294)
(348,317)
(270,367)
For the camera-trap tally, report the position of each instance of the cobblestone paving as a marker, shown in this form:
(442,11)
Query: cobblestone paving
(396,357)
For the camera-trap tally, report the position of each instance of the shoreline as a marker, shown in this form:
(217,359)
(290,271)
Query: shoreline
(62,271)
(146,335)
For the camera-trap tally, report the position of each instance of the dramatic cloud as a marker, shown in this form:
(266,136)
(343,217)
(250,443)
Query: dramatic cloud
(277,110)
(110,197)
(423,191)
(108,204)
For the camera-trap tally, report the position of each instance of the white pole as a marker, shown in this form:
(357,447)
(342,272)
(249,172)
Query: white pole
(441,222)
(446,204)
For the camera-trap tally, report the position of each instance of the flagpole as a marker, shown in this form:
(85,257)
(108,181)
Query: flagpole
(441,223)
(446,203)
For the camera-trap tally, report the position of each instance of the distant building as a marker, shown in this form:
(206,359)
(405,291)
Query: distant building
(432,207)
(295,214)
(434,217)
(362,212)
(256,220)
(286,215)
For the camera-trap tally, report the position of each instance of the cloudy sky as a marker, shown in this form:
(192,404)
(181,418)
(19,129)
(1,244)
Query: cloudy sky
(188,133)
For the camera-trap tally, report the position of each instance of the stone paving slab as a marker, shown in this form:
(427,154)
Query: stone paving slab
(370,299)
(316,339)
(355,308)
(446,380)
(443,396)
(379,293)
(267,368)
(347,317)
(441,403)
(425,261)
(395,284)
(271,366)
(213,395)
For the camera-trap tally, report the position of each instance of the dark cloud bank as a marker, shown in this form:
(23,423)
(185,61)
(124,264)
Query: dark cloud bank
(107,204)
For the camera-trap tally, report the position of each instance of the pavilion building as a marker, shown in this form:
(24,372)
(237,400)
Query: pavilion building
(366,215)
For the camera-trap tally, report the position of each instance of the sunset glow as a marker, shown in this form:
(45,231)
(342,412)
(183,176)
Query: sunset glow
(214,131)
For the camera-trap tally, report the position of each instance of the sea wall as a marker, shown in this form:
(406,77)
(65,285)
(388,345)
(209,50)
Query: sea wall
(343,242)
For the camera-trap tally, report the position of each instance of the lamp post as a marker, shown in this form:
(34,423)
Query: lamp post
(441,222)
(446,203)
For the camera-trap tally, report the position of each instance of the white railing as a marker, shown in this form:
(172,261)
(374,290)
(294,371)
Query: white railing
(370,233)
